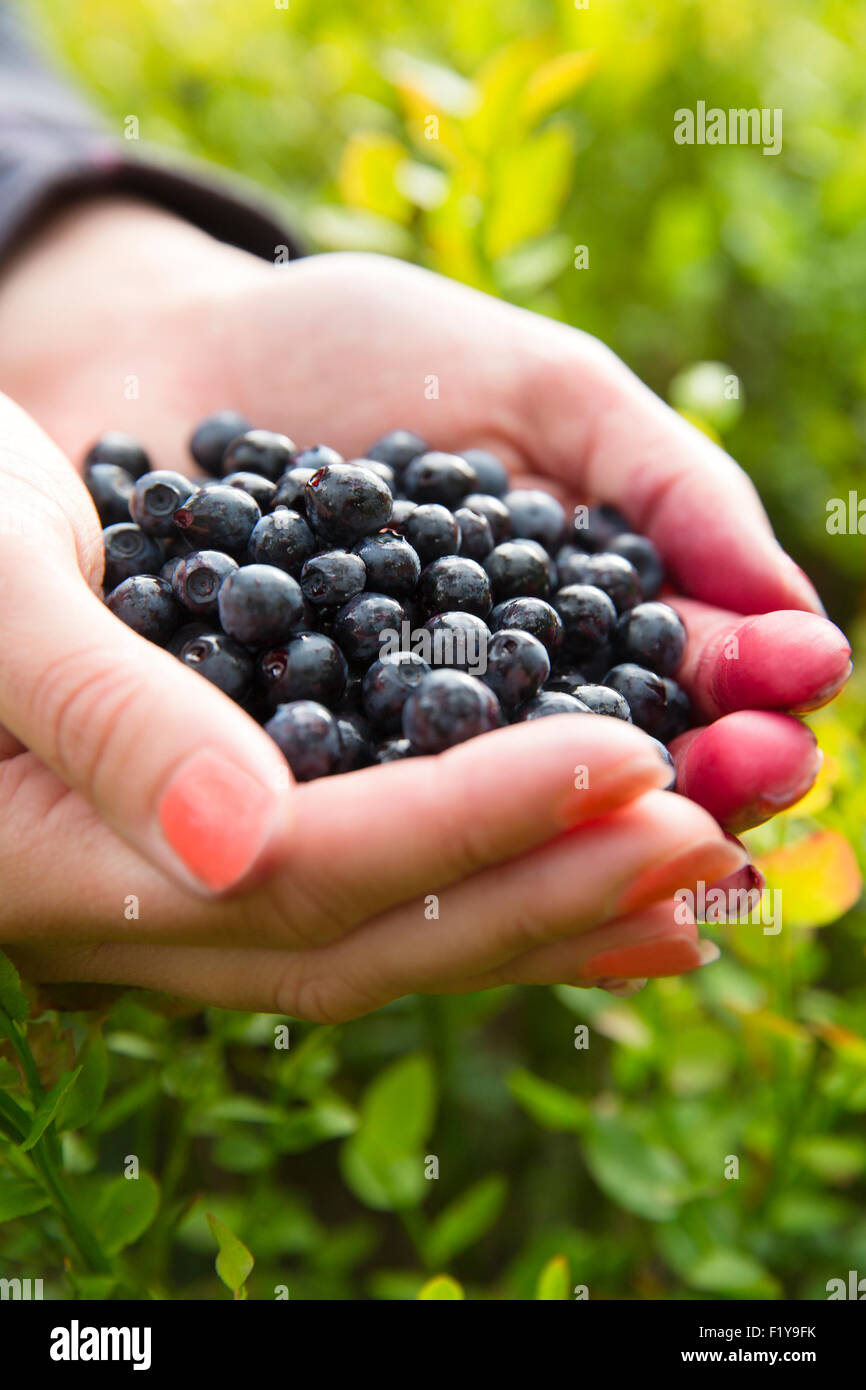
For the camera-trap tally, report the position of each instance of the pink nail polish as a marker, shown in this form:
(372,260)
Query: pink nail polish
(217,819)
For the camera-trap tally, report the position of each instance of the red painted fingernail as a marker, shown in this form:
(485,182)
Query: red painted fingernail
(710,860)
(669,955)
(217,819)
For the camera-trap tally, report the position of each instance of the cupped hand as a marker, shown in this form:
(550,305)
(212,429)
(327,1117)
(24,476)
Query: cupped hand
(161,324)
(133,793)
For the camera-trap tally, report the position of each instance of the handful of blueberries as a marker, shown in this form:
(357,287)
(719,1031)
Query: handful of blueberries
(388,606)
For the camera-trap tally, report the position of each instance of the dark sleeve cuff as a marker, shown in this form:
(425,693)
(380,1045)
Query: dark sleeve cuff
(36,186)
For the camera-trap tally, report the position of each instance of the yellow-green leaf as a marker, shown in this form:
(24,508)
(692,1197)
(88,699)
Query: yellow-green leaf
(531,184)
(818,878)
(234,1262)
(555,81)
(553,1281)
(367,175)
(441,1286)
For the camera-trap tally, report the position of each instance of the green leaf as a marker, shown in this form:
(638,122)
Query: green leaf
(555,81)
(550,1106)
(396,1113)
(642,1177)
(20,1197)
(441,1287)
(553,1281)
(48,1108)
(466,1219)
(124,1209)
(313,1124)
(81,1103)
(234,1262)
(731,1272)
(382,1162)
(529,190)
(12,997)
(382,1182)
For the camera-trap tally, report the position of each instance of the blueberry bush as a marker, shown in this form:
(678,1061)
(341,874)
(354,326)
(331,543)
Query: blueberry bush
(709,1139)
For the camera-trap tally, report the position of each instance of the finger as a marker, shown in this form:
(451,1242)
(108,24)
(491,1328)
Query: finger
(612,866)
(415,826)
(645,945)
(591,420)
(167,759)
(651,941)
(788,660)
(747,766)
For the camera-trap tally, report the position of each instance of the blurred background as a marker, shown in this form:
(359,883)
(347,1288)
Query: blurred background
(609,1166)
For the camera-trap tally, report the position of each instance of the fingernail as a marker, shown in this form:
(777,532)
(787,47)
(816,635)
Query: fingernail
(709,860)
(622,989)
(667,955)
(217,819)
(827,692)
(708,951)
(622,782)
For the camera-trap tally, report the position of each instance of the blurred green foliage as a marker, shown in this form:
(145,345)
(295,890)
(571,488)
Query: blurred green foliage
(709,1140)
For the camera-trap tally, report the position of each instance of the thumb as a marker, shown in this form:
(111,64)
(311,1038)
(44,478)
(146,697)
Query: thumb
(167,760)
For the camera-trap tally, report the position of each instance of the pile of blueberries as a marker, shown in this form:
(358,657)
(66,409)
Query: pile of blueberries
(388,606)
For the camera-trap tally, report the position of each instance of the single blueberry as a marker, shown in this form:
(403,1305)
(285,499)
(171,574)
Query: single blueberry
(433,532)
(259,451)
(260,605)
(345,502)
(652,635)
(517,666)
(397,448)
(282,538)
(588,617)
(392,564)
(536,516)
(218,518)
(601,699)
(310,666)
(645,693)
(457,641)
(155,499)
(146,604)
(400,514)
(308,736)
(454,585)
(531,615)
(640,552)
(331,578)
(120,449)
(490,471)
(355,741)
(291,488)
(388,685)
(517,570)
(197,580)
(111,490)
(317,456)
(476,537)
(128,551)
(367,624)
(212,436)
(494,511)
(260,489)
(678,710)
(220,659)
(439,478)
(553,702)
(449,707)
